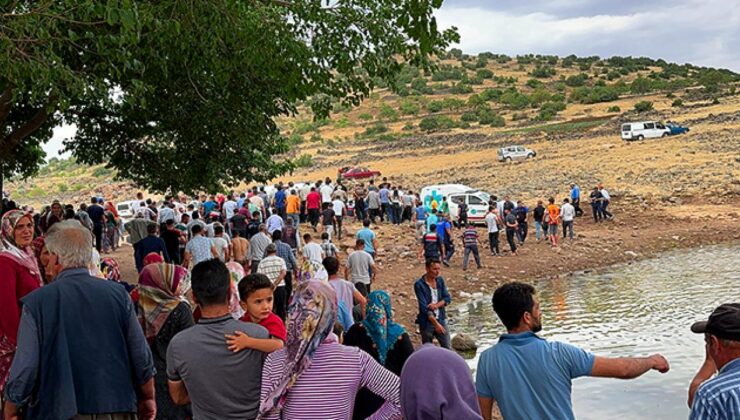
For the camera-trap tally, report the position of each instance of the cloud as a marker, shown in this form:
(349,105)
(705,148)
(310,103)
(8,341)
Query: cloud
(702,33)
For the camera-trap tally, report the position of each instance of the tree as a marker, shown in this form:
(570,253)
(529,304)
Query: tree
(183,95)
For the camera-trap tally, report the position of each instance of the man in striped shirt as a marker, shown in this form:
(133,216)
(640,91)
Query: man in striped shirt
(719,398)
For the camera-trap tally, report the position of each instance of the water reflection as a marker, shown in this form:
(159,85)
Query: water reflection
(631,310)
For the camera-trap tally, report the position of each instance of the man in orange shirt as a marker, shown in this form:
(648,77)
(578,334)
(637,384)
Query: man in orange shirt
(553,219)
(293,207)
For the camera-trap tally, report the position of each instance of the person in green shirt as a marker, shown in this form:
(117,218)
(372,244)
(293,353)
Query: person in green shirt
(444,208)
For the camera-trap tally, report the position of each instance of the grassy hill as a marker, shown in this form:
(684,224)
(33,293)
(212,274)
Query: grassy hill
(445,126)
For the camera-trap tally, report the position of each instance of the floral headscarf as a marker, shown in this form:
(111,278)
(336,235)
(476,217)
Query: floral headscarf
(379,323)
(162,287)
(311,270)
(237,273)
(23,256)
(110,269)
(311,319)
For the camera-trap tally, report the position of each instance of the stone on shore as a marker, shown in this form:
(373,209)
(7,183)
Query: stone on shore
(464,343)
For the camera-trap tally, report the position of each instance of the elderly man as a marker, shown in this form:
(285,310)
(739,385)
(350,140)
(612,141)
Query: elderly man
(718,398)
(81,351)
(257,246)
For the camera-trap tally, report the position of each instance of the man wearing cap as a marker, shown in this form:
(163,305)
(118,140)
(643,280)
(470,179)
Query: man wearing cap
(718,398)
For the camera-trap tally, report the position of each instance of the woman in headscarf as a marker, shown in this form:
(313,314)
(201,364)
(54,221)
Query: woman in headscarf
(383,339)
(111,227)
(19,276)
(163,312)
(42,257)
(54,215)
(237,274)
(436,384)
(315,377)
(152,258)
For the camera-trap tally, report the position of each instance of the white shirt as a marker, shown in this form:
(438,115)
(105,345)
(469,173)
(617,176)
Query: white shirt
(312,252)
(491,223)
(435,299)
(326,191)
(338,207)
(567,212)
(605,194)
(220,244)
(229,209)
(165,214)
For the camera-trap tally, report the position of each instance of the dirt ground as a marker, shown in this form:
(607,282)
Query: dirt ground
(635,233)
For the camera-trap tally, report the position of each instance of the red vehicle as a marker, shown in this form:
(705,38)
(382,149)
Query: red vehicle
(357,173)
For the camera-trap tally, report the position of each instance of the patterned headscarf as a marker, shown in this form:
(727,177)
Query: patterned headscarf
(311,319)
(379,323)
(237,273)
(23,256)
(153,258)
(161,288)
(311,270)
(110,269)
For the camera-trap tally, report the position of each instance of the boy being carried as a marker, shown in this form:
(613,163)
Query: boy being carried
(255,292)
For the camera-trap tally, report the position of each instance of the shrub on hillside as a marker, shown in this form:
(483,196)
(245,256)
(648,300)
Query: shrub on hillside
(643,106)
(542,72)
(461,89)
(534,83)
(577,80)
(388,113)
(469,117)
(491,94)
(539,97)
(365,116)
(484,74)
(514,100)
(613,108)
(376,129)
(419,86)
(303,161)
(593,95)
(641,85)
(409,107)
(549,110)
(677,103)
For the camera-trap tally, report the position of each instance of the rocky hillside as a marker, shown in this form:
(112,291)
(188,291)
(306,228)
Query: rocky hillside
(446,127)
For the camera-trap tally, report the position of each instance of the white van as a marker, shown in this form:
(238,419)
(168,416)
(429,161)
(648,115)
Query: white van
(644,130)
(456,194)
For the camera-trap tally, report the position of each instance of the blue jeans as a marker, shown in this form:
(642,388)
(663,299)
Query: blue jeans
(390,213)
(428,335)
(537,230)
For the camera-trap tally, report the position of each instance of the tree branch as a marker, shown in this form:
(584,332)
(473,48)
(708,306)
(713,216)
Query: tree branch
(37,120)
(5,99)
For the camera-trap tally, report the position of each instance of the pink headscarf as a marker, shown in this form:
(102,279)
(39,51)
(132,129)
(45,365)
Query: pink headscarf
(152,258)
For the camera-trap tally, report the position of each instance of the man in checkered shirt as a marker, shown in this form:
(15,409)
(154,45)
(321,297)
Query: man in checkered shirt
(275,269)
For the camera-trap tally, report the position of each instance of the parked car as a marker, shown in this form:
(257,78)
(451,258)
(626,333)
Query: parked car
(644,130)
(358,173)
(510,153)
(677,129)
(456,194)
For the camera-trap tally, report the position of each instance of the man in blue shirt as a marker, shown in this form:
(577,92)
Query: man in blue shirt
(575,198)
(385,204)
(432,219)
(444,231)
(530,377)
(433,297)
(280,201)
(421,217)
(369,237)
(81,349)
(718,398)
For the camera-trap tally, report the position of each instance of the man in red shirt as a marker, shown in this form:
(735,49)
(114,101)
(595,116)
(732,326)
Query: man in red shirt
(313,204)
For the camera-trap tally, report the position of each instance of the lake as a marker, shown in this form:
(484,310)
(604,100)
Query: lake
(627,310)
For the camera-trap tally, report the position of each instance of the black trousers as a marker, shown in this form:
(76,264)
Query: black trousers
(280,302)
(577,206)
(522,232)
(313,217)
(363,288)
(493,242)
(303,212)
(98,232)
(510,233)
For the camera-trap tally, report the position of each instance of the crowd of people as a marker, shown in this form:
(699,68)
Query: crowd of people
(245,308)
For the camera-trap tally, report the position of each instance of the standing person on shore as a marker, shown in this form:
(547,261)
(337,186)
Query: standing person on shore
(326,191)
(420,213)
(718,398)
(340,211)
(240,248)
(164,311)
(575,197)
(408,206)
(151,244)
(257,247)
(313,205)
(199,248)
(511,228)
(97,215)
(328,219)
(386,210)
(359,193)
(521,212)
(293,207)
(315,377)
(303,195)
(220,383)
(444,231)
(369,237)
(568,216)
(311,250)
(605,200)
(347,294)
(538,214)
(20,276)
(374,205)
(492,221)
(436,385)
(431,245)
(596,199)
(64,368)
(530,377)
(384,340)
(284,251)
(275,269)
(470,241)
(462,217)
(172,238)
(553,220)
(360,268)
(432,219)
(444,207)
(433,297)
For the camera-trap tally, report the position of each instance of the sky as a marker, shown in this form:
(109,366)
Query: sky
(700,32)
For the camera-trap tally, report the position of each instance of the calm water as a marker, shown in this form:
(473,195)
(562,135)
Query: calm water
(630,310)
